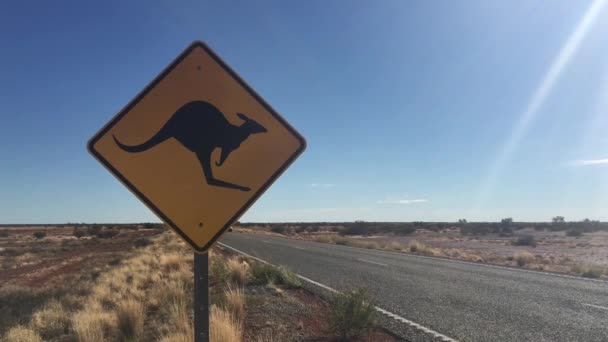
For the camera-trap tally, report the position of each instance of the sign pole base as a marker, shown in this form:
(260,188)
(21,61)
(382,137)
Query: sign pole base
(201,297)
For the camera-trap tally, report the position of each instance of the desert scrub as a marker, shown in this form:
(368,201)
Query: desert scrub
(352,314)
(51,321)
(20,333)
(224,327)
(525,240)
(522,258)
(238,271)
(130,319)
(267,274)
(588,271)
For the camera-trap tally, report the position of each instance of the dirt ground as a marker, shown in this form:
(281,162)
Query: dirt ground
(26,260)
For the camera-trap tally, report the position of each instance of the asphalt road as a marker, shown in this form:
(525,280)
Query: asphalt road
(467,302)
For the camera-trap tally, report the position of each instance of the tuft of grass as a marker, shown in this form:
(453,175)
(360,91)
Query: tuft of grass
(352,315)
(588,271)
(238,271)
(92,325)
(266,274)
(522,258)
(51,321)
(171,262)
(130,319)
(323,239)
(218,271)
(20,333)
(235,302)
(415,246)
(224,327)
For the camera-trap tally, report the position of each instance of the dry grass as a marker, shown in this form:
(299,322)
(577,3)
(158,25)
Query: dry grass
(93,325)
(523,258)
(130,319)
(588,271)
(20,333)
(51,321)
(235,302)
(171,262)
(224,327)
(238,271)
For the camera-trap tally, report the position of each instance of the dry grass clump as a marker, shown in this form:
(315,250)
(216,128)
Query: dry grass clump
(588,271)
(323,239)
(238,271)
(235,302)
(522,258)
(224,327)
(93,325)
(171,262)
(20,333)
(130,316)
(51,321)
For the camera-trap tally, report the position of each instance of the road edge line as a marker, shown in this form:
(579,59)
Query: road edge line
(436,335)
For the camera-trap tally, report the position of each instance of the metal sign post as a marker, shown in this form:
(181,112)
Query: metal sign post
(201,297)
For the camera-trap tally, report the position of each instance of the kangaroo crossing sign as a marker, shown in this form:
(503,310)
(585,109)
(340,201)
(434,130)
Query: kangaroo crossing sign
(198,146)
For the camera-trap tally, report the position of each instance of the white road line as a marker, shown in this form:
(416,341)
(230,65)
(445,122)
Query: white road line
(595,306)
(459,262)
(299,248)
(265,241)
(396,317)
(373,262)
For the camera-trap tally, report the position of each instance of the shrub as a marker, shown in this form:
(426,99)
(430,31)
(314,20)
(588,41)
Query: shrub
(352,315)
(142,242)
(356,228)
(20,333)
(238,271)
(522,258)
(574,233)
(39,235)
(588,271)
(130,319)
(93,230)
(224,327)
(218,272)
(107,233)
(265,274)
(278,229)
(4,233)
(78,233)
(525,240)
(52,321)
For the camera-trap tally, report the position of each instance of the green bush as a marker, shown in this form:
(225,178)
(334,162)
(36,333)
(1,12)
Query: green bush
(266,274)
(4,233)
(352,315)
(218,271)
(525,240)
(39,235)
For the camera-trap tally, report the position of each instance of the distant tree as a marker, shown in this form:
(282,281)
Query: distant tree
(507,221)
(39,235)
(558,219)
(462,221)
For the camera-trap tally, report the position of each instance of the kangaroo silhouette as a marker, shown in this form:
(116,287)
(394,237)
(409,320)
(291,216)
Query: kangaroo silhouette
(201,128)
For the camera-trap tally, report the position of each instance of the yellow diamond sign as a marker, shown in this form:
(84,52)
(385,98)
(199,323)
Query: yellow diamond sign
(198,146)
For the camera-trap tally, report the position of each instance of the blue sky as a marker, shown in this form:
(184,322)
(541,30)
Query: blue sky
(413,110)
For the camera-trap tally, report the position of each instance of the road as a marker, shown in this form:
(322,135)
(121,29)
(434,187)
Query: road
(467,302)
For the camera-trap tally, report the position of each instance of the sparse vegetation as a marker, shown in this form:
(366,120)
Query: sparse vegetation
(51,321)
(278,229)
(525,240)
(588,271)
(238,271)
(78,233)
(39,235)
(130,319)
(20,333)
(352,314)
(224,327)
(4,234)
(267,274)
(522,258)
